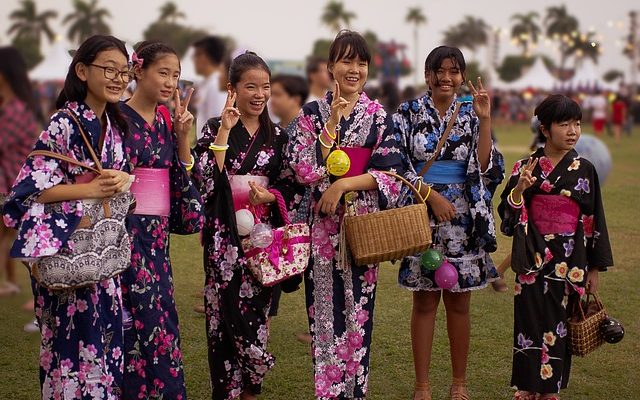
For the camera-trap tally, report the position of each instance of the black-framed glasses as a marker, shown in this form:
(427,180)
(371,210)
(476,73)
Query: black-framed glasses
(112,73)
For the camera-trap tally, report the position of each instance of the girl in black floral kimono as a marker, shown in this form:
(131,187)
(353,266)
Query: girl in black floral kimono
(243,141)
(553,209)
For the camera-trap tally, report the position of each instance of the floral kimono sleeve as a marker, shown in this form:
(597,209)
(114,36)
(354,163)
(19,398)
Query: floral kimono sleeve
(596,235)
(387,156)
(493,175)
(285,180)
(511,216)
(305,154)
(43,229)
(186,204)
(206,174)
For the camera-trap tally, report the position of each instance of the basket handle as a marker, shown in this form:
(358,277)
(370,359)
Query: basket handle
(587,301)
(406,182)
(282,206)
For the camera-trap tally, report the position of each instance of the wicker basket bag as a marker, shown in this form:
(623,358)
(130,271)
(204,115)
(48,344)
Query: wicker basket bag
(390,234)
(584,326)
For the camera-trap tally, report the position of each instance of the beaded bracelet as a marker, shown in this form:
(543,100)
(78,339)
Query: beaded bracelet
(512,203)
(217,147)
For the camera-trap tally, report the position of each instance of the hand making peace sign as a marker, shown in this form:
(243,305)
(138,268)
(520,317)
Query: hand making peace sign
(230,114)
(481,100)
(527,179)
(338,106)
(183,119)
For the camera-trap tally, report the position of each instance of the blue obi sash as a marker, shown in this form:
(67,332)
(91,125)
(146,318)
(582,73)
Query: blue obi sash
(445,172)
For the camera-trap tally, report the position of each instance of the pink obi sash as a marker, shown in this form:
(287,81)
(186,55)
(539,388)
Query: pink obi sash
(240,188)
(151,190)
(553,214)
(359,157)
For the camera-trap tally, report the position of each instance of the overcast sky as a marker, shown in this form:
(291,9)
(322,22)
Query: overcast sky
(286,29)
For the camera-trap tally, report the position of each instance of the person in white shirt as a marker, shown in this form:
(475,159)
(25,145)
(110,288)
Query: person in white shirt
(599,106)
(208,59)
(318,78)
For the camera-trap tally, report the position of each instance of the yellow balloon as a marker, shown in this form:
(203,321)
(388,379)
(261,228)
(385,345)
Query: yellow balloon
(338,163)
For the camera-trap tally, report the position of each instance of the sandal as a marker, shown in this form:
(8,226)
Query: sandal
(422,391)
(459,390)
(500,286)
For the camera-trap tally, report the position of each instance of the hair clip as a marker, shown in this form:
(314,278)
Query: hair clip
(136,60)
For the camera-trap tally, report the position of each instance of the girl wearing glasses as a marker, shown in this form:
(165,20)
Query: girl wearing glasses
(81,349)
(159,157)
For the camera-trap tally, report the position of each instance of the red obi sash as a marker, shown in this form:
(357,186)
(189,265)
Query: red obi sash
(359,158)
(554,214)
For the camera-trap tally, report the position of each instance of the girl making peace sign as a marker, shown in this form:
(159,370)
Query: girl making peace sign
(458,187)
(158,150)
(242,145)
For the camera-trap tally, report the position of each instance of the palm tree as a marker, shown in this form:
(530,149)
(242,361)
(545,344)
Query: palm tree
(417,18)
(169,12)
(86,20)
(471,33)
(335,15)
(561,26)
(525,30)
(29,25)
(584,46)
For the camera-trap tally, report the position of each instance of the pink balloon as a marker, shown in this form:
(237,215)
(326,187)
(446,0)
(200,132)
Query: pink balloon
(446,276)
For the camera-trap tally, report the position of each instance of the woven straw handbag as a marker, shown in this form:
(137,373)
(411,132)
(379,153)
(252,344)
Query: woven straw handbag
(584,326)
(390,234)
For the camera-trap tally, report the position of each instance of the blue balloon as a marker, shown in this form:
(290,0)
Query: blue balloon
(596,151)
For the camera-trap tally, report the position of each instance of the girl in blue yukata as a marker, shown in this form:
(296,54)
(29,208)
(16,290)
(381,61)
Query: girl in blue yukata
(458,187)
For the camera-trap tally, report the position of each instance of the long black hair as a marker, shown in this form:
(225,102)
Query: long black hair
(14,70)
(239,66)
(76,90)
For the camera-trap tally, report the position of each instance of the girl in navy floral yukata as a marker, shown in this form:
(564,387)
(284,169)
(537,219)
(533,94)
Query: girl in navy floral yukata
(158,152)
(81,350)
(458,187)
(340,298)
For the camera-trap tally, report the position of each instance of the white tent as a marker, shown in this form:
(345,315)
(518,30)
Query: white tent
(188,70)
(537,77)
(587,76)
(55,65)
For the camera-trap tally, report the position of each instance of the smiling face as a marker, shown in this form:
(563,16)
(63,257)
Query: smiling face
(563,136)
(446,80)
(160,79)
(351,75)
(253,91)
(99,88)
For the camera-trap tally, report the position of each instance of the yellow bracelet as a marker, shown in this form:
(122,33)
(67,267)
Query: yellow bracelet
(326,146)
(188,166)
(513,201)
(217,147)
(331,136)
(428,194)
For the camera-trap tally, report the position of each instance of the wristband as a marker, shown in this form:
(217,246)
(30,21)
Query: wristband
(217,147)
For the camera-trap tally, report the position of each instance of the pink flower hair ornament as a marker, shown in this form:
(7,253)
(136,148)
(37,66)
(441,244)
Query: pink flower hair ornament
(136,61)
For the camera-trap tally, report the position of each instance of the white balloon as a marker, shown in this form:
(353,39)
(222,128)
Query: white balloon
(244,222)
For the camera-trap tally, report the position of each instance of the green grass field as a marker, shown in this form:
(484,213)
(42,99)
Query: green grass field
(609,373)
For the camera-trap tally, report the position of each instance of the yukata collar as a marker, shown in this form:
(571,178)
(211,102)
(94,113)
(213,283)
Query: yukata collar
(89,119)
(427,99)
